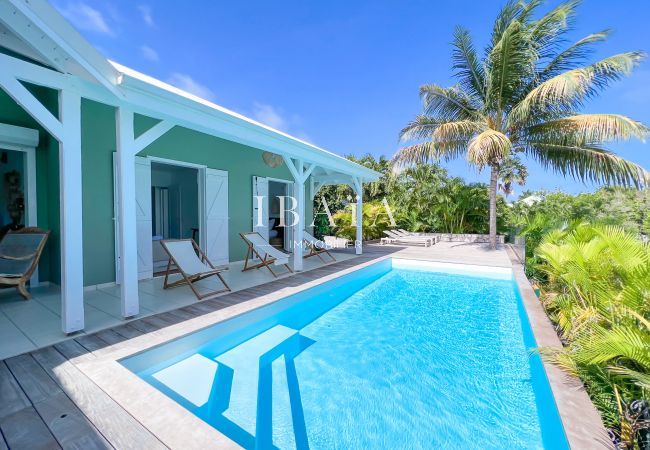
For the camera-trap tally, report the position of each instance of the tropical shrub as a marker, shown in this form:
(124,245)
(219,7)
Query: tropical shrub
(597,291)
(375,221)
(523,96)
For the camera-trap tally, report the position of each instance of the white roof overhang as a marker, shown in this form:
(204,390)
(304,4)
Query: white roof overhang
(36,30)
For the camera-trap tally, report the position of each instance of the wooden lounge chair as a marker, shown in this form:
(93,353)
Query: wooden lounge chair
(192,264)
(20,252)
(316,247)
(268,255)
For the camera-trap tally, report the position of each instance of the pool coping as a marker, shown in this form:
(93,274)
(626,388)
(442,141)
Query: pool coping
(581,420)
(172,424)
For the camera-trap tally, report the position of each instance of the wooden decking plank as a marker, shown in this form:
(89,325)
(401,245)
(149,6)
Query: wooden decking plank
(110,336)
(182,313)
(25,429)
(12,397)
(127,330)
(91,342)
(68,424)
(73,350)
(34,381)
(113,422)
(143,326)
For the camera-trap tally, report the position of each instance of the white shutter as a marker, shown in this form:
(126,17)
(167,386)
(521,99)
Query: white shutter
(261,189)
(216,216)
(143,216)
(288,218)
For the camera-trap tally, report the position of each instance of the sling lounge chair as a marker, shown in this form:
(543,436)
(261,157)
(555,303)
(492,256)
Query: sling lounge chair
(396,238)
(268,255)
(316,247)
(193,266)
(20,252)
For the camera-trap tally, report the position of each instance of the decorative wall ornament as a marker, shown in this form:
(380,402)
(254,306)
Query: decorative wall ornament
(272,159)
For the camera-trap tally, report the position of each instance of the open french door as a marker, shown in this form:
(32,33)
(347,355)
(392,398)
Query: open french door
(214,206)
(143,217)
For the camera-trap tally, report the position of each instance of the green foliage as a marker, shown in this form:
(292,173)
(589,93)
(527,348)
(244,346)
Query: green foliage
(597,291)
(421,198)
(375,221)
(523,97)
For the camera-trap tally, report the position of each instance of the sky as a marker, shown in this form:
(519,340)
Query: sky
(341,74)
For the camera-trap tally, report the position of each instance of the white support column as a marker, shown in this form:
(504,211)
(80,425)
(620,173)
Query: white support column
(128,234)
(300,226)
(300,176)
(358,187)
(72,291)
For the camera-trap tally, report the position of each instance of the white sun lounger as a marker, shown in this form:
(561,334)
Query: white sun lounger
(268,255)
(396,238)
(192,264)
(405,233)
(316,247)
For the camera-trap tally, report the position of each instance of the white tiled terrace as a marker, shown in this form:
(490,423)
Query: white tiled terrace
(26,325)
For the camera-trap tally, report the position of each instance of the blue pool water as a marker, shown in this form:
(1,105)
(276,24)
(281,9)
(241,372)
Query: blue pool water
(386,357)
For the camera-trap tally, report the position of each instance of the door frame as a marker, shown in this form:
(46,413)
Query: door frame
(24,140)
(288,231)
(201,199)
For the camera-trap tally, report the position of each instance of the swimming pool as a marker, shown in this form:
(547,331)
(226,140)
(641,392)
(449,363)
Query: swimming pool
(399,354)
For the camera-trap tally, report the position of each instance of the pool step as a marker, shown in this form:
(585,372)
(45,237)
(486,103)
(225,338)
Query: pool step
(251,382)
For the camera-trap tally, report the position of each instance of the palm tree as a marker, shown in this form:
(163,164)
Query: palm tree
(523,96)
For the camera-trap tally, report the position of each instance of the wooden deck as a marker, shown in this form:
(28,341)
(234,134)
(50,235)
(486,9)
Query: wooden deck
(47,401)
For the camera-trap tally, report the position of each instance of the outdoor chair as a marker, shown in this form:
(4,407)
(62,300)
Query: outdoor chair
(20,252)
(193,265)
(396,238)
(316,247)
(259,248)
(405,233)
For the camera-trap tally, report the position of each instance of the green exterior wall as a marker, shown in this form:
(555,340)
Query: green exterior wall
(47,172)
(98,145)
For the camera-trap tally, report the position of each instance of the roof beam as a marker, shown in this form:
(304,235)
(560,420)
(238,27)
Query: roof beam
(27,101)
(152,134)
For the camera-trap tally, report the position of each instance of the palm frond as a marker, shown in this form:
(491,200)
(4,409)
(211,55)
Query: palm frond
(588,163)
(468,68)
(510,64)
(429,151)
(488,148)
(572,57)
(545,32)
(448,103)
(589,129)
(571,88)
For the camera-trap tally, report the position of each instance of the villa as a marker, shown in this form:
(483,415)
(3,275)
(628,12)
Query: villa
(394,345)
(97,137)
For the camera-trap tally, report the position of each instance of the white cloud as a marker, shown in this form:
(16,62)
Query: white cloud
(149,53)
(86,17)
(189,84)
(275,118)
(268,115)
(145,10)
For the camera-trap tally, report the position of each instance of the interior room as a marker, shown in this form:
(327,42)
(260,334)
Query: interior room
(174,207)
(12,190)
(278,235)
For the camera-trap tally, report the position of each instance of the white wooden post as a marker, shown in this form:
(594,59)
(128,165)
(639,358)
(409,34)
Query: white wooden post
(128,244)
(300,176)
(358,187)
(72,291)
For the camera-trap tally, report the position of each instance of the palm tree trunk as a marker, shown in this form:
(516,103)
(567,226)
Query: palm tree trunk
(494,177)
